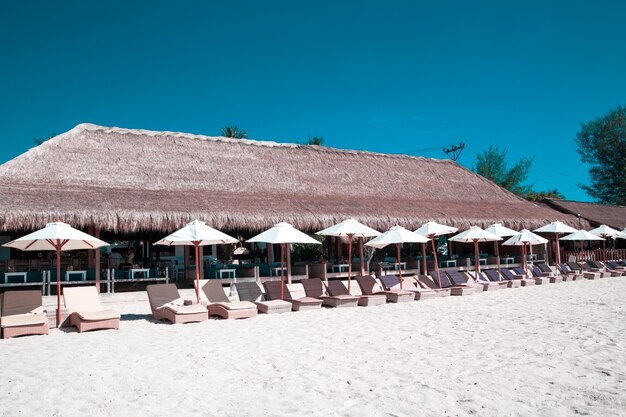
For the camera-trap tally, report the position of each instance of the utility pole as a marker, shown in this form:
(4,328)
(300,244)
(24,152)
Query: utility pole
(454,151)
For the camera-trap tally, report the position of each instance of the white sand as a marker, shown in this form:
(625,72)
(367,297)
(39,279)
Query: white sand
(556,350)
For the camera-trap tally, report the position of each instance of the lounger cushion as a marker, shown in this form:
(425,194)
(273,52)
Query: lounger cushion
(237,305)
(307,300)
(182,309)
(23,320)
(95,315)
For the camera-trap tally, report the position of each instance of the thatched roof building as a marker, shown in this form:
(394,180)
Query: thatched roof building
(126,180)
(595,214)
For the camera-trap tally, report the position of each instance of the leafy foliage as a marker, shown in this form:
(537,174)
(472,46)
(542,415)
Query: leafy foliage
(542,195)
(602,144)
(315,140)
(492,165)
(234,132)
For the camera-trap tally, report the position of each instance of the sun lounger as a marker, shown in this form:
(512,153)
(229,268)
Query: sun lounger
(336,287)
(85,311)
(166,304)
(369,286)
(425,281)
(314,288)
(545,268)
(22,314)
(250,291)
(483,282)
(608,270)
(509,274)
(392,283)
(459,284)
(539,276)
(590,272)
(299,302)
(568,274)
(493,276)
(212,293)
(615,266)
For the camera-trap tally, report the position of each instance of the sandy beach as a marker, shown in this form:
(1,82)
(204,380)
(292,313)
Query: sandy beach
(555,350)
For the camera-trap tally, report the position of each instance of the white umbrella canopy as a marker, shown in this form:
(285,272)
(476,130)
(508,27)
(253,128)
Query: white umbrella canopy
(475,235)
(396,235)
(556,228)
(501,231)
(525,238)
(430,230)
(351,228)
(605,231)
(623,235)
(57,236)
(283,233)
(581,235)
(196,234)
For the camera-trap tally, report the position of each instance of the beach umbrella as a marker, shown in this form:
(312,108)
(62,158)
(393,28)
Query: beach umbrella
(525,238)
(397,235)
(351,228)
(196,234)
(605,231)
(623,234)
(283,234)
(556,228)
(581,235)
(57,236)
(500,231)
(430,230)
(476,235)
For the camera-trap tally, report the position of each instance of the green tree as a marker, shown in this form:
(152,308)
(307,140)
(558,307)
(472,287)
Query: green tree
(39,141)
(542,195)
(234,132)
(315,140)
(602,144)
(492,165)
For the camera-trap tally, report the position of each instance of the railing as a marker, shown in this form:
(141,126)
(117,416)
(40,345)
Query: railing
(596,255)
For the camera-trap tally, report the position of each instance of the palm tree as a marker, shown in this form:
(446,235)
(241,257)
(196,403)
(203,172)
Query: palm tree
(234,132)
(315,140)
(39,141)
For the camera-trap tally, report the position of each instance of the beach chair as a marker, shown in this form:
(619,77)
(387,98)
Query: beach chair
(392,283)
(299,302)
(166,304)
(314,288)
(568,274)
(591,272)
(538,275)
(494,276)
(458,284)
(336,287)
(615,266)
(370,286)
(250,291)
(21,314)
(482,283)
(85,311)
(507,274)
(430,283)
(217,302)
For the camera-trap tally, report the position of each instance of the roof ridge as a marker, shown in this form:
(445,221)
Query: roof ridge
(252,142)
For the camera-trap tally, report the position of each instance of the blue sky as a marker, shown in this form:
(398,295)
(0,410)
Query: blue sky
(397,77)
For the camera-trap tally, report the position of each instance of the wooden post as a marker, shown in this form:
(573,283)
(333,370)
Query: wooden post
(201,261)
(270,254)
(288,255)
(97,260)
(361,257)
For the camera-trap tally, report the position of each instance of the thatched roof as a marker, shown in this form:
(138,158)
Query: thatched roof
(129,180)
(595,214)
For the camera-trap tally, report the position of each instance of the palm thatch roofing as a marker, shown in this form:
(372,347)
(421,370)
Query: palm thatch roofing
(125,180)
(595,214)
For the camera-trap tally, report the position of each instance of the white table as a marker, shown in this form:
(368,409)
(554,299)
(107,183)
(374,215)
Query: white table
(401,265)
(276,270)
(14,274)
(221,273)
(340,268)
(508,260)
(83,275)
(145,271)
(482,261)
(449,263)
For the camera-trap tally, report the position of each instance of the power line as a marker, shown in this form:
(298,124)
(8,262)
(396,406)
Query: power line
(455,151)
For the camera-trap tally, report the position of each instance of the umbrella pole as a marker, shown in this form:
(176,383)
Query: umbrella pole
(197,249)
(557,255)
(604,249)
(432,240)
(476,259)
(282,271)
(361,257)
(525,262)
(424,259)
(58,283)
(498,257)
(349,260)
(399,266)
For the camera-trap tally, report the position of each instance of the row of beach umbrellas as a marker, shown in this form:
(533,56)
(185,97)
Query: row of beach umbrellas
(59,236)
